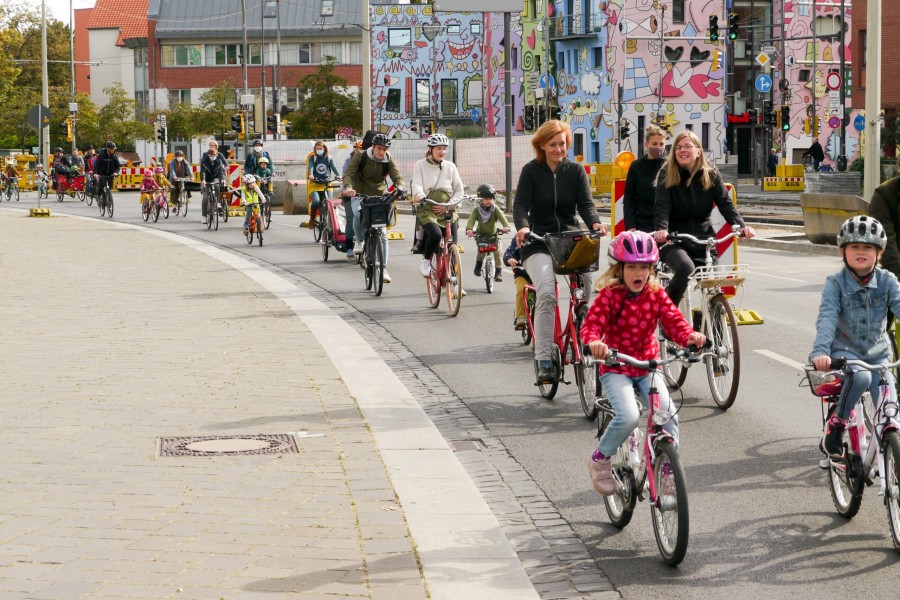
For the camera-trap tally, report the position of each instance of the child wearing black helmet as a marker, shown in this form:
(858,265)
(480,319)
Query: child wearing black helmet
(485,220)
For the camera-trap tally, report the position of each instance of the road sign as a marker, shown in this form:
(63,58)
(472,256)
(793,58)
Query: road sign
(833,80)
(834,99)
(161,120)
(39,116)
(834,122)
(475,115)
(543,81)
(763,59)
(768,49)
(763,83)
(859,123)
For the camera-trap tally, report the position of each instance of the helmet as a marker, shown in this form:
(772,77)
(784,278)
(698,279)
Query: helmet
(263,160)
(437,139)
(379,139)
(111,144)
(57,149)
(863,230)
(486,190)
(38,166)
(248,178)
(148,172)
(633,247)
(257,143)
(159,169)
(90,147)
(179,153)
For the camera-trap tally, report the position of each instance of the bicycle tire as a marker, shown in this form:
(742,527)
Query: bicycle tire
(248,234)
(17,193)
(213,212)
(488,273)
(166,207)
(676,372)
(585,377)
(88,198)
(145,210)
(223,203)
(154,212)
(367,261)
(527,334)
(892,476)
(318,226)
(433,281)
(109,203)
(378,263)
(184,203)
(259,229)
(671,521)
(59,194)
(620,505)
(454,281)
(80,195)
(548,390)
(845,481)
(101,203)
(724,371)
(267,213)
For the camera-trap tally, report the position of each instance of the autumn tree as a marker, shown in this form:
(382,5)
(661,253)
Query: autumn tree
(328,107)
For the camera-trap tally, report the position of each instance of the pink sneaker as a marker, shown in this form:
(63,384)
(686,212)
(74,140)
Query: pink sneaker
(601,476)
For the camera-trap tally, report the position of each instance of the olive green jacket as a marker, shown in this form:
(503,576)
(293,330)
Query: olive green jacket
(371,181)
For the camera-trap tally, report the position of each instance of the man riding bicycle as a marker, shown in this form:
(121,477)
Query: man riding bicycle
(106,166)
(60,163)
(213,167)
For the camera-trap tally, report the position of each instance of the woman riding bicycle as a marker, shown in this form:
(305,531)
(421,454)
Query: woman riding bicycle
(629,305)
(438,180)
(551,189)
(686,190)
(320,168)
(485,220)
(852,321)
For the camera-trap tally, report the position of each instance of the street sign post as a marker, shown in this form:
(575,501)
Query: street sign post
(833,81)
(475,115)
(859,123)
(834,122)
(763,60)
(763,83)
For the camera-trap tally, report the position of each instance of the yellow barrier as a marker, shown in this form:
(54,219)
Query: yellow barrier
(602,175)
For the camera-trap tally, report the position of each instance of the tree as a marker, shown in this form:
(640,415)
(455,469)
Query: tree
(328,107)
(217,105)
(116,120)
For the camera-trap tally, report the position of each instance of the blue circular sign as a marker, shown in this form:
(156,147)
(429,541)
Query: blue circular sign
(859,123)
(763,83)
(475,115)
(542,82)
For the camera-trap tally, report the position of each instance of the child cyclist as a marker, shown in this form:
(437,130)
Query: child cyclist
(852,321)
(250,194)
(149,186)
(485,220)
(629,304)
(513,258)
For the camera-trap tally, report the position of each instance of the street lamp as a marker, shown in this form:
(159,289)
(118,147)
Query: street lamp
(272,10)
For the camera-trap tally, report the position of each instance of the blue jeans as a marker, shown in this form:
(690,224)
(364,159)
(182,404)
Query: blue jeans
(620,391)
(351,207)
(856,386)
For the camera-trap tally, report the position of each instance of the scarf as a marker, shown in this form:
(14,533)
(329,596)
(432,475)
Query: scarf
(485,214)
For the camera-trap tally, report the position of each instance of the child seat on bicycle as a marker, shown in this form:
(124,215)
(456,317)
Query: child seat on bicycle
(485,220)
(852,321)
(624,315)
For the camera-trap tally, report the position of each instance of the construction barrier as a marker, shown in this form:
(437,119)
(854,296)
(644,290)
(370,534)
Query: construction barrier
(130,177)
(602,176)
(784,184)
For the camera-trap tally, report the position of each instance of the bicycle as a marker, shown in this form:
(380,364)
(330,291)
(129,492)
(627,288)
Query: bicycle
(871,442)
(12,188)
(647,465)
(89,189)
(104,195)
(712,315)
(488,245)
(566,348)
(375,214)
(445,265)
(267,205)
(43,189)
(212,200)
(183,196)
(255,223)
(325,188)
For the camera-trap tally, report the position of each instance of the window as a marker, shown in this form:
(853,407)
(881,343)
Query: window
(289,54)
(223,54)
(678,11)
(304,56)
(295,97)
(514,57)
(561,61)
(804,75)
(333,50)
(423,101)
(450,97)
(453,29)
(578,144)
(140,57)
(393,101)
(399,38)
(255,54)
(142,101)
(179,97)
(182,55)
(354,56)
(598,57)
(327,8)
(704,135)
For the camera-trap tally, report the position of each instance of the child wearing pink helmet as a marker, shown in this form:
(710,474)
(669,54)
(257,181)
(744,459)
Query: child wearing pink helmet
(624,315)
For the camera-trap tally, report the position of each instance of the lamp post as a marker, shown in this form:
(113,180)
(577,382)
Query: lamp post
(271,10)
(45,87)
(262,62)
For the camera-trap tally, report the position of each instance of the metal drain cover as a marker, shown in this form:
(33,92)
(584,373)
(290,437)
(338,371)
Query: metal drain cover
(228,445)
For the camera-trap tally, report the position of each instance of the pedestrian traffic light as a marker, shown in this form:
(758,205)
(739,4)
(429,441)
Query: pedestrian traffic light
(237,123)
(528,118)
(624,129)
(541,115)
(768,113)
(415,126)
(733,24)
(785,118)
(555,112)
(286,125)
(713,28)
(162,134)
(272,123)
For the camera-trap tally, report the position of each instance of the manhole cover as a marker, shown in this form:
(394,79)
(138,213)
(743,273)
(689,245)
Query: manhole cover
(228,445)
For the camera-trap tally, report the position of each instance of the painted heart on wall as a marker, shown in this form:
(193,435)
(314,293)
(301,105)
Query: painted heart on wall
(673,54)
(698,56)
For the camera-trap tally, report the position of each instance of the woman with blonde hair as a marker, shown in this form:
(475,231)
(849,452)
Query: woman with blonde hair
(687,188)
(551,190)
(640,193)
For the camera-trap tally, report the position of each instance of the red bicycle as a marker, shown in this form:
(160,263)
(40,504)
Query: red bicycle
(567,347)
(445,267)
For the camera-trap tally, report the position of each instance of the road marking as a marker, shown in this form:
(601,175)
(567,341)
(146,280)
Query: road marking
(782,359)
(757,273)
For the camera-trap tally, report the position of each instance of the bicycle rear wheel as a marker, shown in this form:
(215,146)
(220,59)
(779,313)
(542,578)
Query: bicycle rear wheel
(101,203)
(454,281)
(267,213)
(249,233)
(378,263)
(433,281)
(368,262)
(620,506)
(585,377)
(671,522)
(846,479)
(724,370)
(488,273)
(892,481)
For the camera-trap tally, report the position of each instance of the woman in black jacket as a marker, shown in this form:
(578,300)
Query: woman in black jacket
(640,190)
(551,189)
(686,190)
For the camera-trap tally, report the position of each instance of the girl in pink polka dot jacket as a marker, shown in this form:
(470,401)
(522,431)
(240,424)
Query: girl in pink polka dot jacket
(629,304)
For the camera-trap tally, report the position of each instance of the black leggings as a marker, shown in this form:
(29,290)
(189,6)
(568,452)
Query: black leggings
(433,235)
(680,258)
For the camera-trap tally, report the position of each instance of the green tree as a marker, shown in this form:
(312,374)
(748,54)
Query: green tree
(328,107)
(116,119)
(217,105)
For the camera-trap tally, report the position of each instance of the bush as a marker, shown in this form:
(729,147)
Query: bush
(467,132)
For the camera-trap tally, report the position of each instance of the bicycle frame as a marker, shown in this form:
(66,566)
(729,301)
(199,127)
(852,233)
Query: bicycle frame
(562,337)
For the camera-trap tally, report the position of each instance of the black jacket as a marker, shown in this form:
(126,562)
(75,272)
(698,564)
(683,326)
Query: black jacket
(883,206)
(640,193)
(212,168)
(815,151)
(546,201)
(686,209)
(107,164)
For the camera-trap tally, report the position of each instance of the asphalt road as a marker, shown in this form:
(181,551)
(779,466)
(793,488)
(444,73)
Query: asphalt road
(762,522)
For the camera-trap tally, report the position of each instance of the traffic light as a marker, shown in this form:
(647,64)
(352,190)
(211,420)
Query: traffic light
(162,134)
(768,113)
(624,129)
(754,116)
(785,118)
(555,113)
(733,23)
(529,118)
(415,126)
(286,125)
(237,123)
(66,128)
(272,123)
(431,128)
(713,28)
(542,115)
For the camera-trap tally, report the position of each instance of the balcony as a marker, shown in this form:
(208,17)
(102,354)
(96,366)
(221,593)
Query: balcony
(581,27)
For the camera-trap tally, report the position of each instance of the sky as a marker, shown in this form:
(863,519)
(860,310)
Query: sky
(59,9)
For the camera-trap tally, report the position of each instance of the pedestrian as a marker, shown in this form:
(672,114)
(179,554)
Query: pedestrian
(772,162)
(816,153)
(640,190)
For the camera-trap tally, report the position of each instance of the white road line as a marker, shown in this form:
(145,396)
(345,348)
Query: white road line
(758,273)
(782,359)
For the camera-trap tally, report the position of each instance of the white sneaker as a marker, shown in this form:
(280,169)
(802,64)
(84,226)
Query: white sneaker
(203,220)
(357,247)
(387,276)
(425,267)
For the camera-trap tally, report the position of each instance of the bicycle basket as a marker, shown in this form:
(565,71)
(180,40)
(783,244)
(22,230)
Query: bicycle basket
(486,243)
(376,211)
(574,251)
(822,383)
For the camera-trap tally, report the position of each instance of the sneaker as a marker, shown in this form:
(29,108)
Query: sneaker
(498,276)
(350,253)
(246,230)
(520,323)
(203,220)
(358,247)
(601,476)
(478,269)
(545,372)
(425,267)
(832,441)
(387,276)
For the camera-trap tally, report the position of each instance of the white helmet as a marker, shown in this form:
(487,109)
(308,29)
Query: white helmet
(248,178)
(862,229)
(437,139)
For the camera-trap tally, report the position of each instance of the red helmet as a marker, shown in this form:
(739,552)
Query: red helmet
(633,247)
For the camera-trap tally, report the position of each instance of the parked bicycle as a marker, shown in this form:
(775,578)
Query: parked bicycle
(104,194)
(567,347)
(446,272)
(706,305)
(647,466)
(871,440)
(488,244)
(376,213)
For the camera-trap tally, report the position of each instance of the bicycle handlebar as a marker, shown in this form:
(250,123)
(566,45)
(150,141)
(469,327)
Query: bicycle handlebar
(710,241)
(616,359)
(840,366)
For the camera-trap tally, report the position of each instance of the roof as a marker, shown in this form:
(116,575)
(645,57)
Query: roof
(224,19)
(128,16)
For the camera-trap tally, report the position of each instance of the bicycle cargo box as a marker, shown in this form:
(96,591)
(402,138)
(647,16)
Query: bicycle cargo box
(70,183)
(574,251)
(338,221)
(192,186)
(375,211)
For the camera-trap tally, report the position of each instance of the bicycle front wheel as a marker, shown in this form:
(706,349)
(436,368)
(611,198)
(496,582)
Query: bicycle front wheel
(433,281)
(267,215)
(259,229)
(548,389)
(155,211)
(670,511)
(377,263)
(454,281)
(17,194)
(109,203)
(488,273)
(585,377)
(145,211)
(723,370)
(892,482)
(368,263)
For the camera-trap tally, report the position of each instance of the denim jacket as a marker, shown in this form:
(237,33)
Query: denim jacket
(853,318)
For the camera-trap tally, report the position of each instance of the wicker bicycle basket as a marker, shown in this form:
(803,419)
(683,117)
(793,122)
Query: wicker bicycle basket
(574,251)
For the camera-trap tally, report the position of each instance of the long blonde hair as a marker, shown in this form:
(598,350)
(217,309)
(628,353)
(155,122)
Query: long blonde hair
(702,169)
(614,277)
